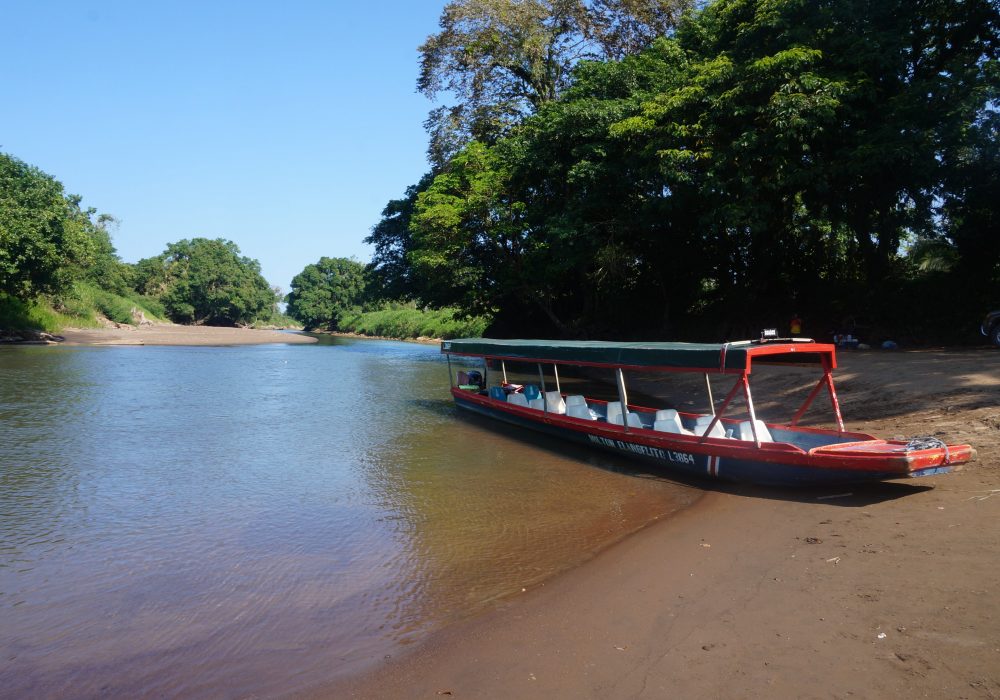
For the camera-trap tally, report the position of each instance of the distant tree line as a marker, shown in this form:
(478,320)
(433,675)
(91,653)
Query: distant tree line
(51,248)
(336,294)
(640,168)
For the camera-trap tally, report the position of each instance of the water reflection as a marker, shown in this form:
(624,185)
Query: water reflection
(227,521)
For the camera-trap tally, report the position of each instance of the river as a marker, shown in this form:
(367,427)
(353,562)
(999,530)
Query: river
(224,522)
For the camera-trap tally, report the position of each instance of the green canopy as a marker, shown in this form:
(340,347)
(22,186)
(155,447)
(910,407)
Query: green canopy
(709,357)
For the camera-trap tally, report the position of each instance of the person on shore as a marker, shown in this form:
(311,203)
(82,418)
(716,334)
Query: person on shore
(795,325)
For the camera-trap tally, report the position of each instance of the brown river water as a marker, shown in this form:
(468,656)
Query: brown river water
(253,521)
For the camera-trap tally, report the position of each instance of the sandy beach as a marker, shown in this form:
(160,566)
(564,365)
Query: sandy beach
(878,591)
(171,334)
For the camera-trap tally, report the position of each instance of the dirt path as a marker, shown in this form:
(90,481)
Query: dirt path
(883,591)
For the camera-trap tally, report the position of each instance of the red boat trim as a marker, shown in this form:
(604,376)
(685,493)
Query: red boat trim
(820,458)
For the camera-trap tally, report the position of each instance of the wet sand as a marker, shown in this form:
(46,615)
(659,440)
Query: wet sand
(169,334)
(879,591)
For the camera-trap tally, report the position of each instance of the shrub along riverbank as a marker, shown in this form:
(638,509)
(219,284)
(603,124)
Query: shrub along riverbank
(405,321)
(88,306)
(82,306)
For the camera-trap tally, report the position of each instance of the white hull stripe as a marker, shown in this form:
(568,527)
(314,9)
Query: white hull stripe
(713,465)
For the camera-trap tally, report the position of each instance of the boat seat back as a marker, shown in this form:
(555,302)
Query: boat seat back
(614,414)
(497,392)
(634,420)
(746,432)
(667,421)
(518,400)
(578,411)
(537,404)
(531,391)
(701,425)
(554,402)
(575,400)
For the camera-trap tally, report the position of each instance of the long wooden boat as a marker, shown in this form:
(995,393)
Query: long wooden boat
(711,444)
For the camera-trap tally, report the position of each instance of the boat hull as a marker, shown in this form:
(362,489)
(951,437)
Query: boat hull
(775,464)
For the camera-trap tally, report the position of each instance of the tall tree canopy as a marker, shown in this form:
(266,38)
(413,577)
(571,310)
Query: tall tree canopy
(325,290)
(205,281)
(504,59)
(771,156)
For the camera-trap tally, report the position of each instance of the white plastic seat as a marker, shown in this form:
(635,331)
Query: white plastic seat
(537,404)
(518,399)
(578,411)
(667,421)
(554,402)
(575,400)
(614,414)
(702,423)
(746,432)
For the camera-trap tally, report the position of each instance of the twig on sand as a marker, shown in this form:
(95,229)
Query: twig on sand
(836,495)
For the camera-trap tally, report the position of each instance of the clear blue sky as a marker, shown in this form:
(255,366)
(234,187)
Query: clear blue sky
(283,126)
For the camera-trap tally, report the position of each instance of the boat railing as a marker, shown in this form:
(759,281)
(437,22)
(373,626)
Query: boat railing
(711,426)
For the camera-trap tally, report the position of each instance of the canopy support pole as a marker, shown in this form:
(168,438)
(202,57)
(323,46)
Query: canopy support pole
(708,385)
(833,400)
(555,368)
(753,417)
(622,396)
(722,409)
(503,368)
(541,381)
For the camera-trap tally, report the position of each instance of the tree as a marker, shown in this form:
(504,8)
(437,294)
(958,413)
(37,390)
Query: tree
(971,218)
(628,27)
(390,274)
(811,139)
(770,157)
(504,59)
(204,281)
(105,269)
(325,290)
(44,241)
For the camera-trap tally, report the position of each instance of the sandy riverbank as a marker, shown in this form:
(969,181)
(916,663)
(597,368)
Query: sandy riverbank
(169,334)
(882,591)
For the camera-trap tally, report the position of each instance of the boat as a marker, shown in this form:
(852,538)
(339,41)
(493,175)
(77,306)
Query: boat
(716,445)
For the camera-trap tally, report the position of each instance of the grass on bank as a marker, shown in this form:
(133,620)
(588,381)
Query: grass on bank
(407,321)
(87,299)
(17,315)
(78,308)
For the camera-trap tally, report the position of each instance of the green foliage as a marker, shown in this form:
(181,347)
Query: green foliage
(465,230)
(504,59)
(44,237)
(16,314)
(58,266)
(408,321)
(87,298)
(769,157)
(323,292)
(107,270)
(390,275)
(204,281)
